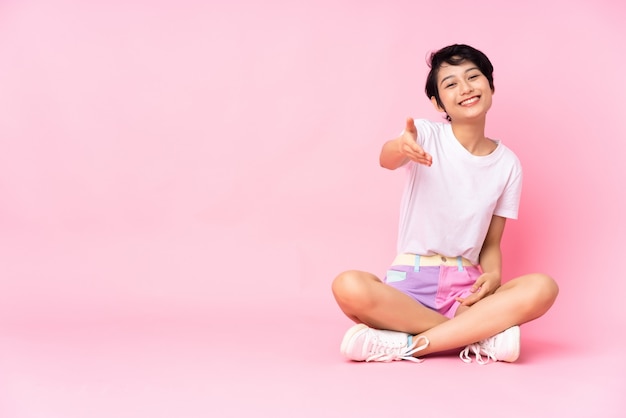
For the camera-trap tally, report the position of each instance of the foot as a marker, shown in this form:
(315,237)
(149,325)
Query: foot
(504,346)
(362,343)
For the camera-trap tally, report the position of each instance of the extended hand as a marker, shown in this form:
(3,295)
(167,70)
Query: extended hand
(410,147)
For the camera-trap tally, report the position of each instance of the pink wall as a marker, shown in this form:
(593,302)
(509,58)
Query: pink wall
(165,156)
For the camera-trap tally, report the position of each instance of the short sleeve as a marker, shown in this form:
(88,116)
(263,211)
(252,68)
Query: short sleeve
(508,203)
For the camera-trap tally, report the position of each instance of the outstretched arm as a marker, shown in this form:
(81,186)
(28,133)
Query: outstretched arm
(398,151)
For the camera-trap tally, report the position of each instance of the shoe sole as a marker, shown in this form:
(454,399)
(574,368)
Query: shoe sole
(346,343)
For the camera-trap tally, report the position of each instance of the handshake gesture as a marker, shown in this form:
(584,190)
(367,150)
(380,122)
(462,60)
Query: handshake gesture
(409,146)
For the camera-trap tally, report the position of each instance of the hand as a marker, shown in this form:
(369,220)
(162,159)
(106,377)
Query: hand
(486,284)
(410,147)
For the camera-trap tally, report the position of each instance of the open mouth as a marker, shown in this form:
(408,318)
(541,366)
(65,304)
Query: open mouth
(470,101)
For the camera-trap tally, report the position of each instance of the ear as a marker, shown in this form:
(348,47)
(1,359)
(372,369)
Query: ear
(433,100)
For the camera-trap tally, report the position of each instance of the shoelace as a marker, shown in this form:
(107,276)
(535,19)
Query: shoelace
(385,350)
(486,347)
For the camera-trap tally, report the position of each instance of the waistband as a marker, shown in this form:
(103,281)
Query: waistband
(430,260)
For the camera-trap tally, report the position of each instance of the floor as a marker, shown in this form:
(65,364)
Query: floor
(281,359)
(123,219)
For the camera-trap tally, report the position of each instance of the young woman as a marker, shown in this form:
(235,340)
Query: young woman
(444,289)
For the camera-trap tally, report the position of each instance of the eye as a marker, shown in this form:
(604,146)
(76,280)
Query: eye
(450,85)
(474,76)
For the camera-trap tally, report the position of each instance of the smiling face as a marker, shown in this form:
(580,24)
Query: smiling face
(464,91)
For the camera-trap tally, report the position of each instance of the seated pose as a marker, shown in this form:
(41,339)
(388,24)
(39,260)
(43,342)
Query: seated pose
(444,289)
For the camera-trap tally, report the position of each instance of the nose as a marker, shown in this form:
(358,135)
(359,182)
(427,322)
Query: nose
(466,87)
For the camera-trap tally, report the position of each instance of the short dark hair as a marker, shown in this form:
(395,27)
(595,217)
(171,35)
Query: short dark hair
(455,55)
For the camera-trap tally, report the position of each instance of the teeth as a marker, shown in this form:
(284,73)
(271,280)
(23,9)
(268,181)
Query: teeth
(468,101)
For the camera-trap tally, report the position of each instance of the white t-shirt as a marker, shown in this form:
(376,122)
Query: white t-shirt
(447,207)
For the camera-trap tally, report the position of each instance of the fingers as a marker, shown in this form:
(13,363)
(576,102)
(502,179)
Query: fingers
(479,290)
(411,148)
(414,152)
(471,299)
(483,287)
(420,157)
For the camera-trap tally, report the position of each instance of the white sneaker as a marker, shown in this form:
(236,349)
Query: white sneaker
(362,343)
(504,346)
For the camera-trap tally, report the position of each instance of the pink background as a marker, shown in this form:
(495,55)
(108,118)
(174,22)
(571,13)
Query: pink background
(179,178)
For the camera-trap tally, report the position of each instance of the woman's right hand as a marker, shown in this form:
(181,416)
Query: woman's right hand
(409,146)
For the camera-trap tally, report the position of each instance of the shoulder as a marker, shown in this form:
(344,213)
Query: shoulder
(430,129)
(508,162)
(509,155)
(430,124)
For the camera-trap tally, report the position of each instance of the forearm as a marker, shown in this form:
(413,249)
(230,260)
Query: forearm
(491,260)
(391,156)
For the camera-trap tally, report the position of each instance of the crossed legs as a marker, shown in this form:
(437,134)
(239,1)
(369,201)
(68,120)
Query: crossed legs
(366,299)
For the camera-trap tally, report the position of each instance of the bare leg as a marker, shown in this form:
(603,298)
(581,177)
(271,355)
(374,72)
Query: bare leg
(365,299)
(516,302)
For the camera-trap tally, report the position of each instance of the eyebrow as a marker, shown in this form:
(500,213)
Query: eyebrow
(452,76)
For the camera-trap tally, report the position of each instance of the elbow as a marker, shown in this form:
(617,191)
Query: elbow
(389,164)
(384,164)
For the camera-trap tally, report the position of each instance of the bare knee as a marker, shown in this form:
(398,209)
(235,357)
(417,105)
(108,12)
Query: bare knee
(547,288)
(351,288)
(542,292)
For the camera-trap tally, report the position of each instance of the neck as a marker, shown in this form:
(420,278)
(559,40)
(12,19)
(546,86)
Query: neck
(472,136)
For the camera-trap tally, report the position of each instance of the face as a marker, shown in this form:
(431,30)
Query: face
(464,91)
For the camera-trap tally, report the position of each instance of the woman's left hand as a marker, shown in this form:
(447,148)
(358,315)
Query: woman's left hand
(485,285)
